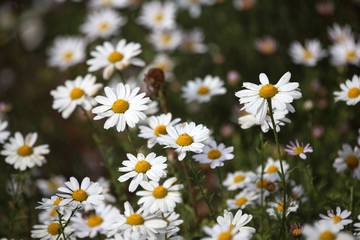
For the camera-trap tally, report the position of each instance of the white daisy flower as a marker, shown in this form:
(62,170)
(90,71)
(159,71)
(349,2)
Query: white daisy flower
(142,168)
(266,45)
(348,158)
(166,39)
(106,185)
(75,195)
(201,90)
(280,119)
(277,207)
(157,15)
(52,204)
(109,57)
(238,221)
(138,225)
(350,91)
(347,52)
(357,227)
(122,106)
(22,153)
(308,55)
(222,232)
(51,231)
(193,41)
(325,230)
(157,126)
(237,180)
(297,192)
(271,169)
(48,215)
(254,97)
(165,63)
(243,199)
(172,228)
(66,52)
(194,6)
(78,92)
(98,222)
(48,187)
(339,34)
(97,4)
(3,133)
(214,154)
(102,24)
(266,184)
(185,137)
(160,197)
(340,217)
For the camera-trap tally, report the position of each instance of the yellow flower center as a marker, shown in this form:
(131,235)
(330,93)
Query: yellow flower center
(159,192)
(53,229)
(57,201)
(272,169)
(94,221)
(161,129)
(142,166)
(268,91)
(280,207)
(270,186)
(225,236)
(352,162)
(103,26)
(115,57)
(52,185)
(350,55)
(336,218)
(307,54)
(106,3)
(53,212)
(231,227)
(327,235)
(189,45)
(120,106)
(67,56)
(158,17)
(184,140)
(239,178)
(165,38)
(298,150)
(296,232)
(353,92)
(135,219)
(79,195)
(25,151)
(262,184)
(76,93)
(241,201)
(203,90)
(214,154)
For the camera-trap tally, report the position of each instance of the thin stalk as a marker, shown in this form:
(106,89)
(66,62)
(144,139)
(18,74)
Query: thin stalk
(191,190)
(162,101)
(130,140)
(220,183)
(261,179)
(310,179)
(351,202)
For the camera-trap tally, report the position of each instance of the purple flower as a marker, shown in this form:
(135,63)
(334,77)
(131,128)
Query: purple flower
(298,149)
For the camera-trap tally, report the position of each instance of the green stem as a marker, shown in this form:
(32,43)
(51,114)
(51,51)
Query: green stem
(220,184)
(191,191)
(310,179)
(130,140)
(351,194)
(261,180)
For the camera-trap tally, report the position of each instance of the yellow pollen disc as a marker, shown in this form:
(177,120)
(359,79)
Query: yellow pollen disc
(280,207)
(162,67)
(239,178)
(327,235)
(94,221)
(103,26)
(296,232)
(214,154)
(272,169)
(350,55)
(161,129)
(76,93)
(79,195)
(270,186)
(135,219)
(142,166)
(158,17)
(268,91)
(231,227)
(298,150)
(241,201)
(24,151)
(165,38)
(307,54)
(353,92)
(203,90)
(336,218)
(53,212)
(120,106)
(115,57)
(294,196)
(262,184)
(159,192)
(57,201)
(352,162)
(53,228)
(67,56)
(225,236)
(184,140)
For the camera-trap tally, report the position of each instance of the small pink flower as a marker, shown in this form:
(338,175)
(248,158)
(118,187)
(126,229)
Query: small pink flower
(296,230)
(298,149)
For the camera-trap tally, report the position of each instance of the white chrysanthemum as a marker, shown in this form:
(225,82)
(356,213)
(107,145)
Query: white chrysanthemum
(202,90)
(3,133)
(109,57)
(106,185)
(297,192)
(172,228)
(165,63)
(66,52)
(243,199)
(193,41)
(308,55)
(165,40)
(185,137)
(157,15)
(194,6)
(96,4)
(51,231)
(160,197)
(339,34)
(102,24)
(214,154)
(75,195)
(277,207)
(237,180)
(122,106)
(350,91)
(48,187)
(142,168)
(238,221)
(325,230)
(357,227)
(348,158)
(157,126)
(222,232)
(137,225)
(347,52)
(281,94)
(78,92)
(271,169)
(338,218)
(21,152)
(98,222)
